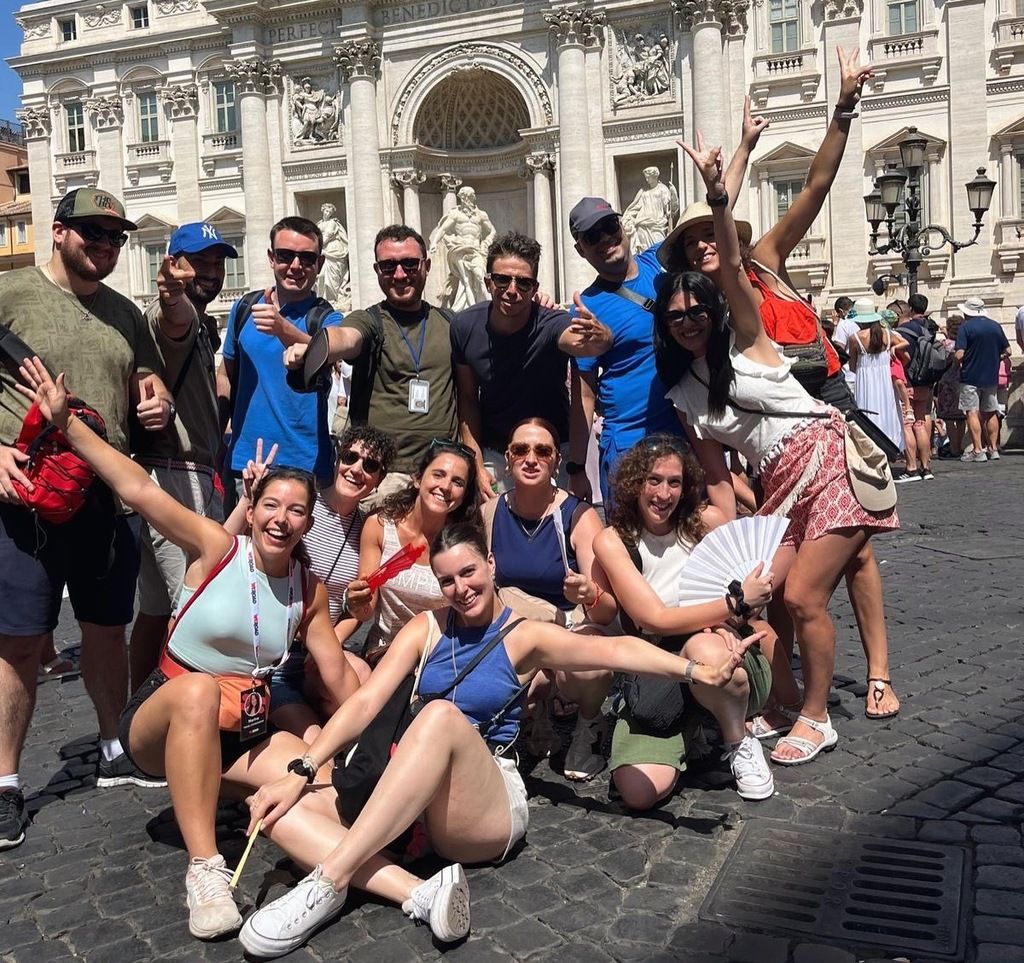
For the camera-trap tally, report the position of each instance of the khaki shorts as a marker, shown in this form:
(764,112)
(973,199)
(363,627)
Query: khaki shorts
(518,809)
(978,399)
(632,746)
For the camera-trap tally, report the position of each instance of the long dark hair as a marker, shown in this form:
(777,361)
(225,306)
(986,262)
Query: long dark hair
(396,506)
(286,473)
(673,361)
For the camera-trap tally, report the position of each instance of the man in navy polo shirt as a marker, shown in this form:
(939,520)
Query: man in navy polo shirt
(252,381)
(980,346)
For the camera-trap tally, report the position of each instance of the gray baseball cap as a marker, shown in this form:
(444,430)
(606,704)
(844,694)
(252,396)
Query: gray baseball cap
(587,213)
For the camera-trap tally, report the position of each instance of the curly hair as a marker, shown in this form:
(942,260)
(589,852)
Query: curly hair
(375,443)
(631,475)
(397,505)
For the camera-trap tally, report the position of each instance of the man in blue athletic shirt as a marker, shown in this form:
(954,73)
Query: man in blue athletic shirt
(623,380)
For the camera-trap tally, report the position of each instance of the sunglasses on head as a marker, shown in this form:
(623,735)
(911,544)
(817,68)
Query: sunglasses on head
(93,233)
(284,255)
(504,281)
(438,444)
(607,226)
(520,449)
(698,312)
(349,457)
(408,264)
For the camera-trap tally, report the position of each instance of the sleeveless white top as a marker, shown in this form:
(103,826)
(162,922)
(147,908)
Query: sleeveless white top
(757,437)
(663,558)
(410,592)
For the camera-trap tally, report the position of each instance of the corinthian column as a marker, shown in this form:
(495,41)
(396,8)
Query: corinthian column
(451,184)
(182,102)
(359,64)
(409,181)
(253,78)
(540,166)
(573,29)
(107,115)
(35,122)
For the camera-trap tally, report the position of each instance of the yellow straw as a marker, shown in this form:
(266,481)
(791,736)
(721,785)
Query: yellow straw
(245,855)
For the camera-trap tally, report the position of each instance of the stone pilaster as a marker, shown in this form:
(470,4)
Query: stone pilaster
(182,103)
(410,182)
(254,78)
(359,67)
(36,124)
(107,114)
(595,107)
(540,166)
(573,30)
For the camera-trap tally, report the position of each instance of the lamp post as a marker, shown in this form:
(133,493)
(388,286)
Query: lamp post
(895,187)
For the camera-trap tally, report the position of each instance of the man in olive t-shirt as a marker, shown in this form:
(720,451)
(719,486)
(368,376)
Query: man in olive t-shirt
(412,392)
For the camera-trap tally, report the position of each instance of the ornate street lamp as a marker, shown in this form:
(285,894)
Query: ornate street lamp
(896,187)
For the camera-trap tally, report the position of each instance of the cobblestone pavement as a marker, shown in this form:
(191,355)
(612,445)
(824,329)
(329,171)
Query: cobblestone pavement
(100,876)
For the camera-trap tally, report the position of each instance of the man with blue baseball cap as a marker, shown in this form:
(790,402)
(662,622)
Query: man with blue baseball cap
(181,458)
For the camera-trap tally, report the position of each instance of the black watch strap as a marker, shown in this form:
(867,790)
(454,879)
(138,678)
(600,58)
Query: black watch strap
(304,768)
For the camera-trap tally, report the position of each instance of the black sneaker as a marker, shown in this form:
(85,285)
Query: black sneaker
(926,475)
(121,771)
(12,818)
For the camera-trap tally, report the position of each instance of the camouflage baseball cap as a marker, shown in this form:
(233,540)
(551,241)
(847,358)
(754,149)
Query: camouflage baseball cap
(91,202)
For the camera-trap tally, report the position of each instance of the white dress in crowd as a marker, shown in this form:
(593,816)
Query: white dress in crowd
(873,391)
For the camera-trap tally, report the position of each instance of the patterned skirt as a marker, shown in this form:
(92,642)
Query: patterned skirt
(806,482)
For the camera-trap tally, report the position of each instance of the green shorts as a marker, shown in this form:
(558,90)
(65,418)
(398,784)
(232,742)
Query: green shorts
(635,747)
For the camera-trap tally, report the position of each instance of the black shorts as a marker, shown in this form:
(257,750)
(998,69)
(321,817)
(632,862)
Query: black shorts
(231,746)
(95,554)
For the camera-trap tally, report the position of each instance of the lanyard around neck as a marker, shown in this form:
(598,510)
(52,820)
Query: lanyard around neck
(254,601)
(415,355)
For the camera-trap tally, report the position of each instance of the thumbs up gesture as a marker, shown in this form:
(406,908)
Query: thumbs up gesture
(154,409)
(268,318)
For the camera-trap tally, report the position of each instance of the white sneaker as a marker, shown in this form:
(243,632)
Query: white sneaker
(971,455)
(290,920)
(584,759)
(443,903)
(211,907)
(993,454)
(749,767)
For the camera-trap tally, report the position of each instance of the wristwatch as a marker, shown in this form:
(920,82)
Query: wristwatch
(719,200)
(303,767)
(574,467)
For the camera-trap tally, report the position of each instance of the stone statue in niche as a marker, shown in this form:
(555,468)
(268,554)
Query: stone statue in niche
(316,112)
(645,66)
(460,242)
(333,281)
(652,213)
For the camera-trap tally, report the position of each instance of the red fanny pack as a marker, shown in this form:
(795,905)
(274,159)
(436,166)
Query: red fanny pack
(60,477)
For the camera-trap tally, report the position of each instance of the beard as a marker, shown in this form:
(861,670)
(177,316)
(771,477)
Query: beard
(202,295)
(75,262)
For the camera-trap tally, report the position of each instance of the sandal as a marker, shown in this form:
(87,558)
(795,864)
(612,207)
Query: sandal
(57,668)
(562,709)
(761,728)
(809,748)
(876,692)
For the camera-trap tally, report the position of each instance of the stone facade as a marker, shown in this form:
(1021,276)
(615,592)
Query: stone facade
(243,111)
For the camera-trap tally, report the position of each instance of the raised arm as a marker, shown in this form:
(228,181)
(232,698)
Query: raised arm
(582,404)
(773,249)
(750,133)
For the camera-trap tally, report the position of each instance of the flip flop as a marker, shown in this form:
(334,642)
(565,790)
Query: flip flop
(809,748)
(876,687)
(57,668)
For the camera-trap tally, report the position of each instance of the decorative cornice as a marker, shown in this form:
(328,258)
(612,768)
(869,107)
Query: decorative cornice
(168,8)
(254,74)
(810,112)
(911,98)
(576,26)
(181,99)
(108,112)
(665,124)
(1014,86)
(358,58)
(843,9)
(220,183)
(35,121)
(333,168)
(101,16)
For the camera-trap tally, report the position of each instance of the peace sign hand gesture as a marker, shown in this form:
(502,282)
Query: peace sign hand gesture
(851,78)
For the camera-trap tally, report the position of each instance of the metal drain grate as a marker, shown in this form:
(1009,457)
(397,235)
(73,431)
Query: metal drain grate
(865,890)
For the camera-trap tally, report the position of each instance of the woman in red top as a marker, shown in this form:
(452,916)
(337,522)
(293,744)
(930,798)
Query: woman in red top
(788,319)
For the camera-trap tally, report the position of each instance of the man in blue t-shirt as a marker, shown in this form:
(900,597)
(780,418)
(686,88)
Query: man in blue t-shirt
(252,384)
(623,381)
(511,358)
(980,346)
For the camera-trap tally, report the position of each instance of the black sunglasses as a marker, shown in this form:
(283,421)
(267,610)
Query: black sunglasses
(284,255)
(437,444)
(698,312)
(410,265)
(349,457)
(607,226)
(523,285)
(93,233)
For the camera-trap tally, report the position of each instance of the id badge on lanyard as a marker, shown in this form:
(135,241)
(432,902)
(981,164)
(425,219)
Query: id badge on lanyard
(419,388)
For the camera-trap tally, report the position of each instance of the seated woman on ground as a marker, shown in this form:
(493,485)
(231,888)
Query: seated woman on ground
(443,491)
(363,454)
(243,600)
(659,516)
(527,555)
(452,768)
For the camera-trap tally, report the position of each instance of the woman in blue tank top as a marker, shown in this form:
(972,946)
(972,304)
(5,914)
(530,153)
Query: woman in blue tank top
(460,781)
(176,725)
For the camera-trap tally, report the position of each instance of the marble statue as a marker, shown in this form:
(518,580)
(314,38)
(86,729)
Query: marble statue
(460,241)
(316,112)
(333,281)
(652,213)
(645,67)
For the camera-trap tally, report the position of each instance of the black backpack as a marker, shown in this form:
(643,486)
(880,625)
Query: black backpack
(931,358)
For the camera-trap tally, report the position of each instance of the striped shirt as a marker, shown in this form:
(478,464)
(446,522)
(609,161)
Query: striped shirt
(333,546)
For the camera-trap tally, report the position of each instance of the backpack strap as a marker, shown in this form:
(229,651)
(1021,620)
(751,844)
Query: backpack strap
(732,403)
(243,310)
(627,294)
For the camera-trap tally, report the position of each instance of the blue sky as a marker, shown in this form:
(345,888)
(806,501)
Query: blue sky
(10,43)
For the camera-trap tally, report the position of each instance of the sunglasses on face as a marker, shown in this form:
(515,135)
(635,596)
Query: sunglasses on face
(93,233)
(697,313)
(371,465)
(408,264)
(284,255)
(607,226)
(520,449)
(523,285)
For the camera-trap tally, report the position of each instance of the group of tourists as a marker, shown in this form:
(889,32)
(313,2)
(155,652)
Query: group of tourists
(451,516)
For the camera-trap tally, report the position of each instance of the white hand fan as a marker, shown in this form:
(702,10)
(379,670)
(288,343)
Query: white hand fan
(732,551)
(556,518)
